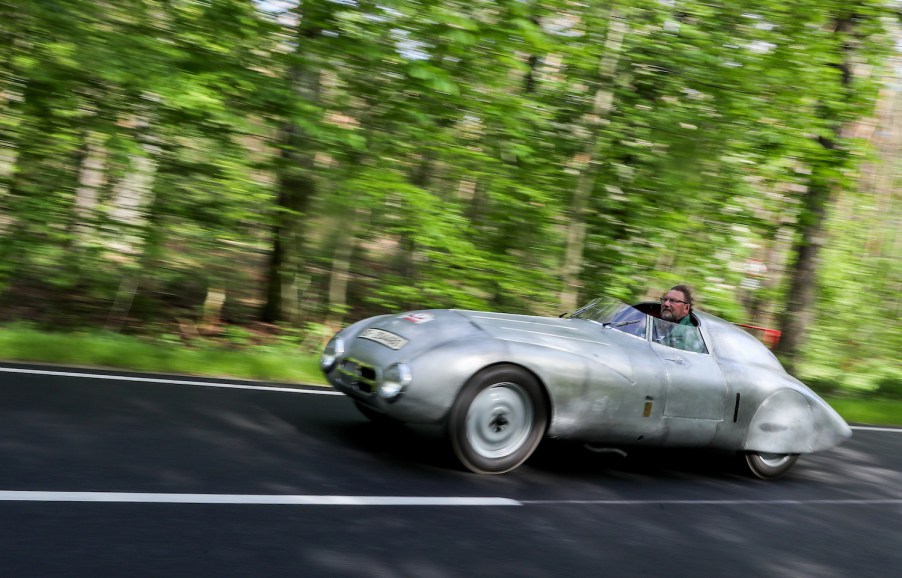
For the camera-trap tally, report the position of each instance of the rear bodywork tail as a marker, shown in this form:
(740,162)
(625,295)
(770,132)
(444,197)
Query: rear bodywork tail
(790,421)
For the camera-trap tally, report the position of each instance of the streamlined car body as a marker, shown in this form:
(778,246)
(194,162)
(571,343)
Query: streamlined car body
(609,374)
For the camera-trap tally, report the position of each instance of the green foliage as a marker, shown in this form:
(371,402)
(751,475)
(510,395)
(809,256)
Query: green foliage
(237,336)
(890,386)
(428,154)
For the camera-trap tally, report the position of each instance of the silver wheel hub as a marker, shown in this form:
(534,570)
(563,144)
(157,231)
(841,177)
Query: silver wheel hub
(499,420)
(773,460)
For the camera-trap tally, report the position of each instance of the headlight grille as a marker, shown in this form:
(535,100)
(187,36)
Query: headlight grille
(358,375)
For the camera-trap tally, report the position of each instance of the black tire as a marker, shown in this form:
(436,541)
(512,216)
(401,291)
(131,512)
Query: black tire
(498,419)
(769,466)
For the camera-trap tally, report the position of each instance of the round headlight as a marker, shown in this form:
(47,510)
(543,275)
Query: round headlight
(394,380)
(333,350)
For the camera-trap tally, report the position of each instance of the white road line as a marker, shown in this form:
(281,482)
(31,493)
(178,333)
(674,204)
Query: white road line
(313,500)
(864,502)
(144,498)
(168,381)
(871,428)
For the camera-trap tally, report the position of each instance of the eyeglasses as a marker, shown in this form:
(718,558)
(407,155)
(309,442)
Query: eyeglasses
(665,300)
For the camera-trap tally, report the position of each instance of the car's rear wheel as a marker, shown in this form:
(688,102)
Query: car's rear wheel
(769,466)
(498,419)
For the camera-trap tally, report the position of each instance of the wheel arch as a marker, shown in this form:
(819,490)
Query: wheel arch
(788,421)
(783,423)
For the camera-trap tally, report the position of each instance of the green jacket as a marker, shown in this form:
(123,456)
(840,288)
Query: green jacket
(685,336)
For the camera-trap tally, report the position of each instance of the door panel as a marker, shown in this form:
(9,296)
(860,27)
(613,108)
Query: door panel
(695,384)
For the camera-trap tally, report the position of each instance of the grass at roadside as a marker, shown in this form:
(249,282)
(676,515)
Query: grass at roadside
(277,362)
(868,411)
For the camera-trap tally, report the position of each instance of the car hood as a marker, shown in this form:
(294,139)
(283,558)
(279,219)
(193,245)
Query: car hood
(532,329)
(577,336)
(417,330)
(426,329)
(441,325)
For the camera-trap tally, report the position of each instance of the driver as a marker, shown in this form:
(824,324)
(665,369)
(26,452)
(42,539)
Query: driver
(676,305)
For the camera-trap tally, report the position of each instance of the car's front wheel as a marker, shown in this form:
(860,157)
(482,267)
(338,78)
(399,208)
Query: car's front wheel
(498,419)
(769,466)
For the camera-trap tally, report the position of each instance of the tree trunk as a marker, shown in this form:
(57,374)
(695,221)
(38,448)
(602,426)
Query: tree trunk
(604,98)
(405,263)
(295,183)
(798,314)
(341,270)
(810,228)
(91,178)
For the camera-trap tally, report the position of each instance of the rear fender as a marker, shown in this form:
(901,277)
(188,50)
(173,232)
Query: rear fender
(789,422)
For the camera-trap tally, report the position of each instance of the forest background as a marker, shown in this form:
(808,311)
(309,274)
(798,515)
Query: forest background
(241,175)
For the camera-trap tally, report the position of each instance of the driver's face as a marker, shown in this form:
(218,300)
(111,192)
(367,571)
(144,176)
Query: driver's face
(674,306)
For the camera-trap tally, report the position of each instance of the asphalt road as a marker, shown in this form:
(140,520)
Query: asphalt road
(176,476)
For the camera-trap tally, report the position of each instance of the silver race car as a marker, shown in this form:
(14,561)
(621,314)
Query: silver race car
(610,374)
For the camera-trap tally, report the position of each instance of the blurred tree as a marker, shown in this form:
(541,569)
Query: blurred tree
(844,39)
(315,161)
(860,278)
(603,88)
(161,107)
(300,113)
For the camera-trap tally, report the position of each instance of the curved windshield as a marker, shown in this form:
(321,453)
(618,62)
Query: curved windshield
(622,317)
(614,314)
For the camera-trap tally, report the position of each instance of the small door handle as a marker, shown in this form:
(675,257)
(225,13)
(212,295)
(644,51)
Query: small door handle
(677,360)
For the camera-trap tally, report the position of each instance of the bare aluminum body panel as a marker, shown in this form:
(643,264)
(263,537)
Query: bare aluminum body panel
(606,379)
